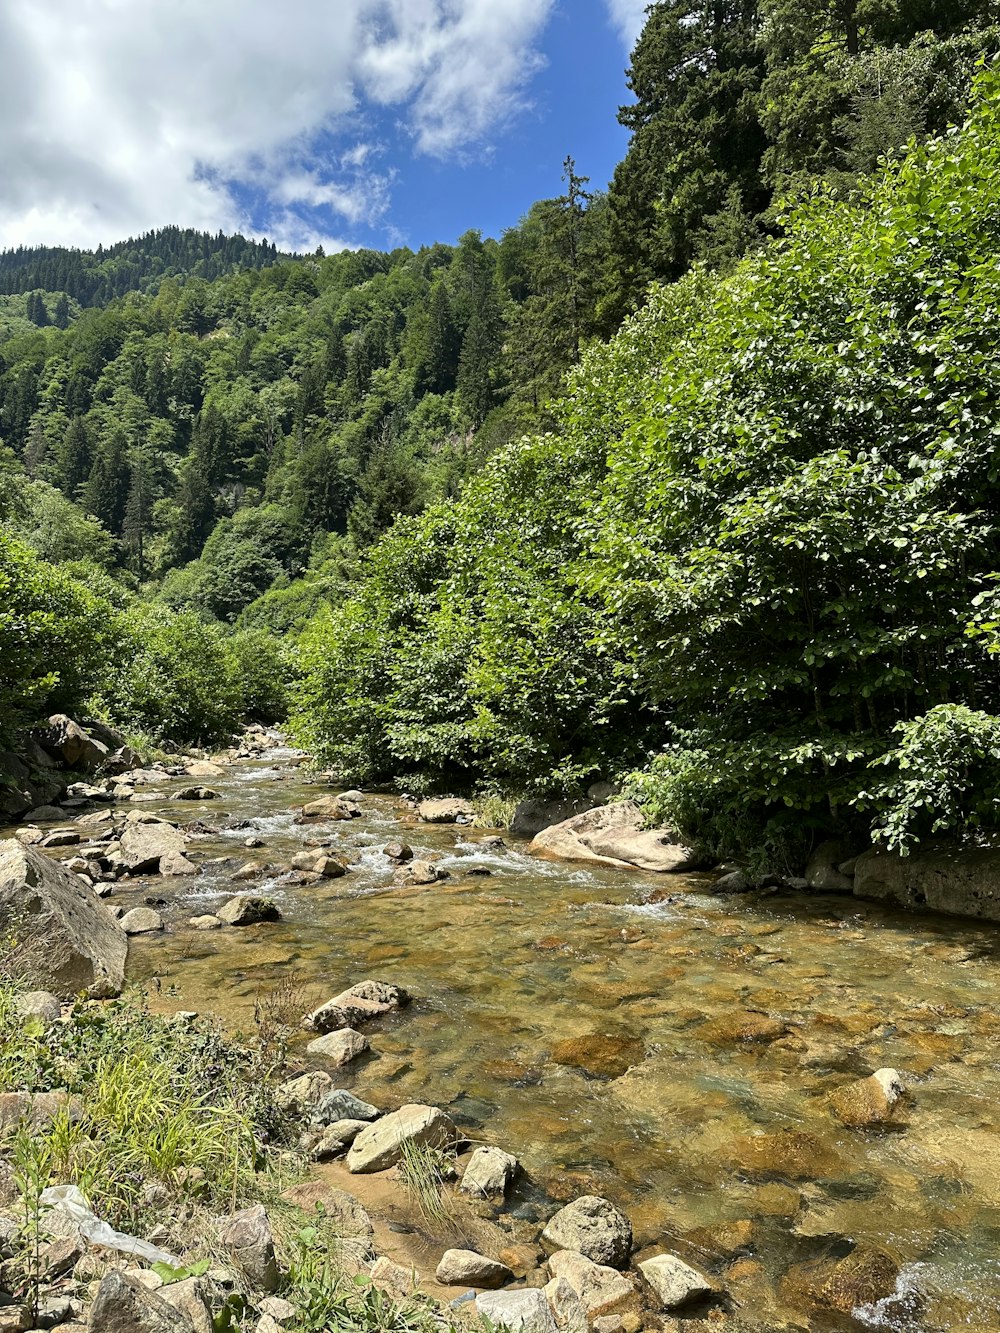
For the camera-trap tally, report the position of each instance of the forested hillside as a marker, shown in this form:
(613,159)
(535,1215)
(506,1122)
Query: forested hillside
(741,559)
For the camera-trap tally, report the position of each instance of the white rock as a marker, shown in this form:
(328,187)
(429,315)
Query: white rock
(674,1281)
(489,1173)
(526,1310)
(341,1047)
(381,1144)
(567,1309)
(466,1268)
(600,1289)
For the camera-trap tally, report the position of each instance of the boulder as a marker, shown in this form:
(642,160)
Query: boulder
(963,881)
(863,1277)
(318,863)
(176,863)
(124,1305)
(193,1298)
(141,921)
(204,768)
(675,1283)
(525,1311)
(333,1140)
(353,1226)
(613,835)
(340,1047)
(603,1055)
(600,1289)
(381,1144)
(41,1004)
(593,1227)
(326,807)
(206,922)
(489,1173)
(566,1306)
(66,941)
(68,740)
(296,1095)
(398,852)
(197,793)
(445,811)
(823,871)
(366,999)
(532,816)
(144,845)
(418,872)
(871,1102)
(333,1104)
(466,1268)
(248,911)
(735,881)
(247,1236)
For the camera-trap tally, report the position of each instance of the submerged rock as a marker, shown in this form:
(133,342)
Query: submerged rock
(870,1102)
(67,940)
(614,835)
(593,1227)
(787,1154)
(862,1277)
(748,1028)
(381,1145)
(365,1000)
(605,1055)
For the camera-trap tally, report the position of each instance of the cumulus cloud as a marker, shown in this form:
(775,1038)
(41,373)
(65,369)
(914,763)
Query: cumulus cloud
(117,116)
(628,16)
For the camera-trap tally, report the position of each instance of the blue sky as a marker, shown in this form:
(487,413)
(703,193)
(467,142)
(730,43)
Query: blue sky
(334,122)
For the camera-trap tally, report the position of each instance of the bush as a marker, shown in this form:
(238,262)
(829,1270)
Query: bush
(260,671)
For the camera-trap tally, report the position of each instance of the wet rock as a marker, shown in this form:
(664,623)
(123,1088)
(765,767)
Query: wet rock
(871,1102)
(249,870)
(733,882)
(614,835)
(66,940)
(197,793)
(62,837)
(787,1154)
(365,1000)
(605,1055)
(41,1004)
(725,1240)
(675,1283)
(489,1173)
(593,1227)
(380,1145)
(749,1028)
(532,816)
(340,1047)
(141,921)
(247,1236)
(339,1104)
(318,863)
(143,845)
(526,1311)
(124,1305)
(419,872)
(44,814)
(204,768)
(445,811)
(466,1268)
(206,922)
(862,1277)
(176,863)
(600,1289)
(398,851)
(248,911)
(296,1095)
(941,878)
(333,1140)
(326,807)
(823,873)
(350,1220)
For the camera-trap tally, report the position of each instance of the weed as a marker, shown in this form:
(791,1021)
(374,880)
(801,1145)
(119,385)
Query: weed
(424,1171)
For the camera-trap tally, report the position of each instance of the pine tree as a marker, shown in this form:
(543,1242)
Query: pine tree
(105,492)
(61,316)
(73,457)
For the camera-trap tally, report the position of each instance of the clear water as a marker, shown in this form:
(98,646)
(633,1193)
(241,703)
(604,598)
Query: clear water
(504,968)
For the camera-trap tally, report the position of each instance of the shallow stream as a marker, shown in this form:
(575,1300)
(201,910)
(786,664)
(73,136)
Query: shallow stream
(667,1114)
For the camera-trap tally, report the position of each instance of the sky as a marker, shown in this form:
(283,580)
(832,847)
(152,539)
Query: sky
(319,122)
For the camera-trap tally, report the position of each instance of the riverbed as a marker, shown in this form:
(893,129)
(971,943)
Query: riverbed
(589,1021)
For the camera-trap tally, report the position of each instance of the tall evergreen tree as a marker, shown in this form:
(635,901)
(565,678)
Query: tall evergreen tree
(105,492)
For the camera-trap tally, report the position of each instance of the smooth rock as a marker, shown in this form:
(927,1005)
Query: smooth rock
(466,1268)
(340,1047)
(604,1055)
(204,768)
(746,1028)
(248,911)
(124,1305)
(445,811)
(733,882)
(524,1311)
(141,921)
(870,1102)
(599,1288)
(326,807)
(938,878)
(675,1283)
(489,1173)
(143,845)
(318,863)
(381,1144)
(613,835)
(823,873)
(593,1227)
(66,939)
(247,1236)
(333,1140)
(176,863)
(206,922)
(197,793)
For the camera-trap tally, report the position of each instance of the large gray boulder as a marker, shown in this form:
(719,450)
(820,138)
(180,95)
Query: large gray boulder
(593,1227)
(613,835)
(67,739)
(144,846)
(534,815)
(525,1310)
(964,881)
(381,1145)
(66,940)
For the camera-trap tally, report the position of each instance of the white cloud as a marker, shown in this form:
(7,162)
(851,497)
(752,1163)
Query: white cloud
(121,115)
(629,17)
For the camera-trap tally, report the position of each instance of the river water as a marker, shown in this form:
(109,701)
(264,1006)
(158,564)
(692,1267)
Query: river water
(561,1014)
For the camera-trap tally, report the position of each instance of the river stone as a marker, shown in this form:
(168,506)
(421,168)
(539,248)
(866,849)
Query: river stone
(862,1277)
(366,999)
(419,872)
(333,1139)
(339,1104)
(319,863)
(593,1227)
(29,835)
(381,1144)
(124,1305)
(204,768)
(675,1282)
(353,1226)
(398,851)
(296,1095)
(67,939)
(326,807)
(870,1102)
(206,922)
(141,921)
(40,1004)
(247,1236)
(466,1268)
(747,1028)
(248,911)
(823,872)
(964,881)
(614,835)
(525,1311)
(340,1047)
(600,1289)
(787,1154)
(197,793)
(489,1173)
(176,863)
(605,1055)
(445,811)
(143,845)
(566,1306)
